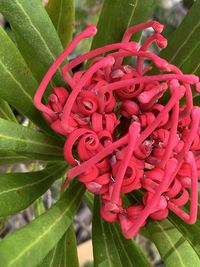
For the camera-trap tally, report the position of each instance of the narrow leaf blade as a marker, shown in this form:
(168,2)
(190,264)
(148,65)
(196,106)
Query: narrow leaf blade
(17,139)
(30,20)
(62,14)
(20,190)
(41,236)
(184,43)
(174,249)
(117,16)
(110,246)
(17,85)
(6,112)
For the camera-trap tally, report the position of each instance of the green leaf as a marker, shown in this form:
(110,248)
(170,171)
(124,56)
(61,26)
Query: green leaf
(190,232)
(110,247)
(184,44)
(11,157)
(20,190)
(174,249)
(70,256)
(39,207)
(116,16)
(6,111)
(54,257)
(29,143)
(64,254)
(41,235)
(36,67)
(62,14)
(30,20)
(17,85)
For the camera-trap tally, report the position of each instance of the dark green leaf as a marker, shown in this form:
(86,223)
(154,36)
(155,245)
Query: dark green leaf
(116,16)
(110,247)
(70,256)
(11,157)
(30,20)
(6,112)
(39,207)
(36,67)
(64,254)
(29,143)
(19,190)
(190,232)
(174,249)
(104,249)
(39,237)
(17,85)
(184,44)
(62,14)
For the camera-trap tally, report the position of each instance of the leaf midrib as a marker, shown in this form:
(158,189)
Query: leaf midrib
(31,142)
(30,184)
(16,81)
(33,243)
(36,30)
(171,243)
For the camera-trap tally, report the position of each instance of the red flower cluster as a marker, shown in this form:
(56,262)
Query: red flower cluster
(123,137)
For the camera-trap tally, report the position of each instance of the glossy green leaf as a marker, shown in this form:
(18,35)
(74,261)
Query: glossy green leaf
(30,20)
(174,249)
(54,257)
(70,256)
(116,16)
(39,207)
(29,143)
(110,247)
(183,49)
(6,112)
(104,248)
(20,190)
(40,236)
(62,14)
(17,85)
(11,157)
(190,232)
(64,254)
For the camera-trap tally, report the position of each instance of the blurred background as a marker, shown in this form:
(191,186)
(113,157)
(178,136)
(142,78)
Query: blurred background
(168,12)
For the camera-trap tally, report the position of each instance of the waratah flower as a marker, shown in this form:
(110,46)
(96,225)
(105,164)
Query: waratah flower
(124,138)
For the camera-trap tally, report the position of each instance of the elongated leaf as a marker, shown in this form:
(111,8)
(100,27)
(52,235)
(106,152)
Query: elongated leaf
(39,207)
(174,249)
(6,111)
(19,190)
(36,67)
(64,254)
(27,142)
(104,249)
(70,256)
(116,16)
(190,232)
(183,49)
(17,85)
(40,236)
(11,157)
(54,257)
(62,14)
(30,20)
(110,247)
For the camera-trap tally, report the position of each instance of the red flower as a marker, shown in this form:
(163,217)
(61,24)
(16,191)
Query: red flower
(124,137)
